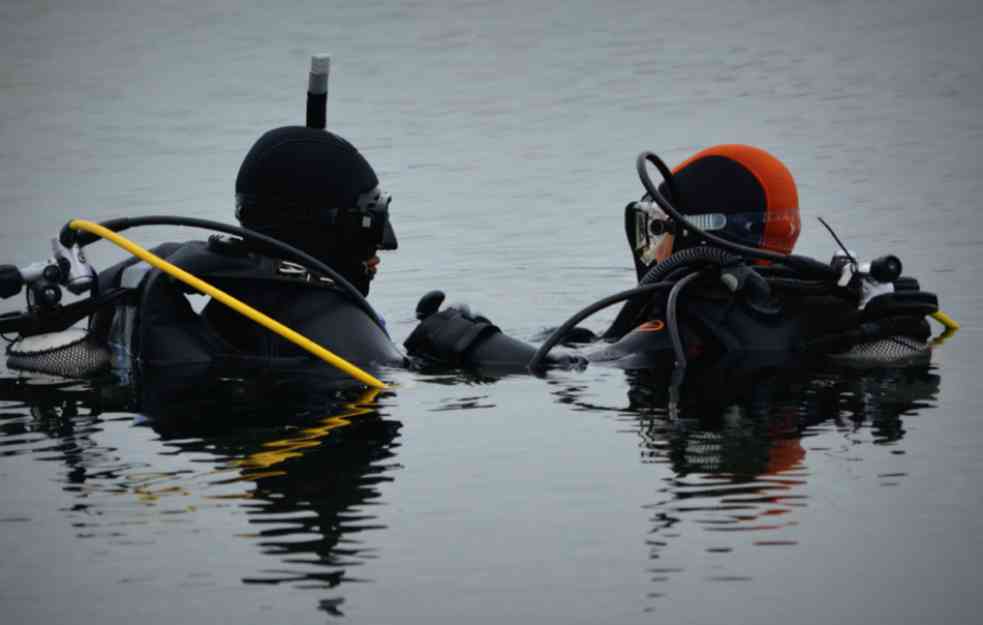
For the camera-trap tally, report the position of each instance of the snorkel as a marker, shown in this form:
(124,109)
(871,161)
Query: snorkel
(317,91)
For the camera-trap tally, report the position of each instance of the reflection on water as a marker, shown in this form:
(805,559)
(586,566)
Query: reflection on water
(312,489)
(738,445)
(306,487)
(304,469)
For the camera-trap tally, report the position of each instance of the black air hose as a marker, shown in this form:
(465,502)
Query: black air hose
(537,360)
(673,323)
(683,259)
(69,237)
(690,256)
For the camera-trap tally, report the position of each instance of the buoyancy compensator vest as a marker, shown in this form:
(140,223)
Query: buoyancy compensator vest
(785,325)
(157,325)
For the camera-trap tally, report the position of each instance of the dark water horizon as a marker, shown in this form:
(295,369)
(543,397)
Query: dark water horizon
(507,134)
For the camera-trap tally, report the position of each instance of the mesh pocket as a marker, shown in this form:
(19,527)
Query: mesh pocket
(72,354)
(892,350)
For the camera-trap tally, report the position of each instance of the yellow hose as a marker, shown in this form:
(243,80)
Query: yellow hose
(947,334)
(945,320)
(223,297)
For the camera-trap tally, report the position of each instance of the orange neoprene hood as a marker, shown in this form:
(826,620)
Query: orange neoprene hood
(735,178)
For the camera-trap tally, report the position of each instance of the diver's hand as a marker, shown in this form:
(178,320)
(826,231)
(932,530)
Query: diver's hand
(431,301)
(429,304)
(456,336)
(446,336)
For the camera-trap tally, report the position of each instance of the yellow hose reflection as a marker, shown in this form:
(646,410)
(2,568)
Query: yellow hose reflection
(277,451)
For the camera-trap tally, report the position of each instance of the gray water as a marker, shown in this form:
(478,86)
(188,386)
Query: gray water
(507,134)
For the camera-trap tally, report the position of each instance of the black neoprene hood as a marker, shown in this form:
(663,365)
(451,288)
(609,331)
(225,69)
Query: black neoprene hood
(312,189)
(718,184)
(293,173)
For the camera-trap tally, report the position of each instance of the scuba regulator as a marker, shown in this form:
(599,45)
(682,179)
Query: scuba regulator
(44,281)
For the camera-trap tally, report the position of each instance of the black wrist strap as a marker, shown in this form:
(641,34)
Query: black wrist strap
(447,336)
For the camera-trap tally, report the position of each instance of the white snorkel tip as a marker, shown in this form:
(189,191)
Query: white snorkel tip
(317,91)
(320,69)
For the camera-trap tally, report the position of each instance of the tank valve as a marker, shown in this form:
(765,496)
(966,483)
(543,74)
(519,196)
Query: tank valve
(886,268)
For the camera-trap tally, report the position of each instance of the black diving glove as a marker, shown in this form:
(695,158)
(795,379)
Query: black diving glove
(455,336)
(446,336)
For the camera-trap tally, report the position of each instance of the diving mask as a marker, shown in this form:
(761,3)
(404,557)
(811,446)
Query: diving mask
(367,223)
(652,225)
(372,213)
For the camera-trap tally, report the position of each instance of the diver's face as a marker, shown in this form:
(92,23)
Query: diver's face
(372,265)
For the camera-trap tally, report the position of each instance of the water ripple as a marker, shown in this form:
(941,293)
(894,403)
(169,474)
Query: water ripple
(307,487)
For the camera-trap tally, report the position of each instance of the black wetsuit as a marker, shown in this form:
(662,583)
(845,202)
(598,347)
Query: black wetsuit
(714,325)
(158,327)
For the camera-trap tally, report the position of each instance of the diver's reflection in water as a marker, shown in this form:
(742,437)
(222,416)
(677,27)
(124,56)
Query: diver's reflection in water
(736,443)
(58,421)
(304,460)
(746,422)
(314,480)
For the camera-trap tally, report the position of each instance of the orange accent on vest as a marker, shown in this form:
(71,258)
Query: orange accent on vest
(652,326)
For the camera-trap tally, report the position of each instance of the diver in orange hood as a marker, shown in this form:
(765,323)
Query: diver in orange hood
(717,283)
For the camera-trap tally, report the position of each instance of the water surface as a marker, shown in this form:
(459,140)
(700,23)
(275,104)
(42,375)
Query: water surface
(507,134)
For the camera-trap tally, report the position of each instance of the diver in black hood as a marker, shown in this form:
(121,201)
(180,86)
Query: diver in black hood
(304,187)
(292,279)
(314,191)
